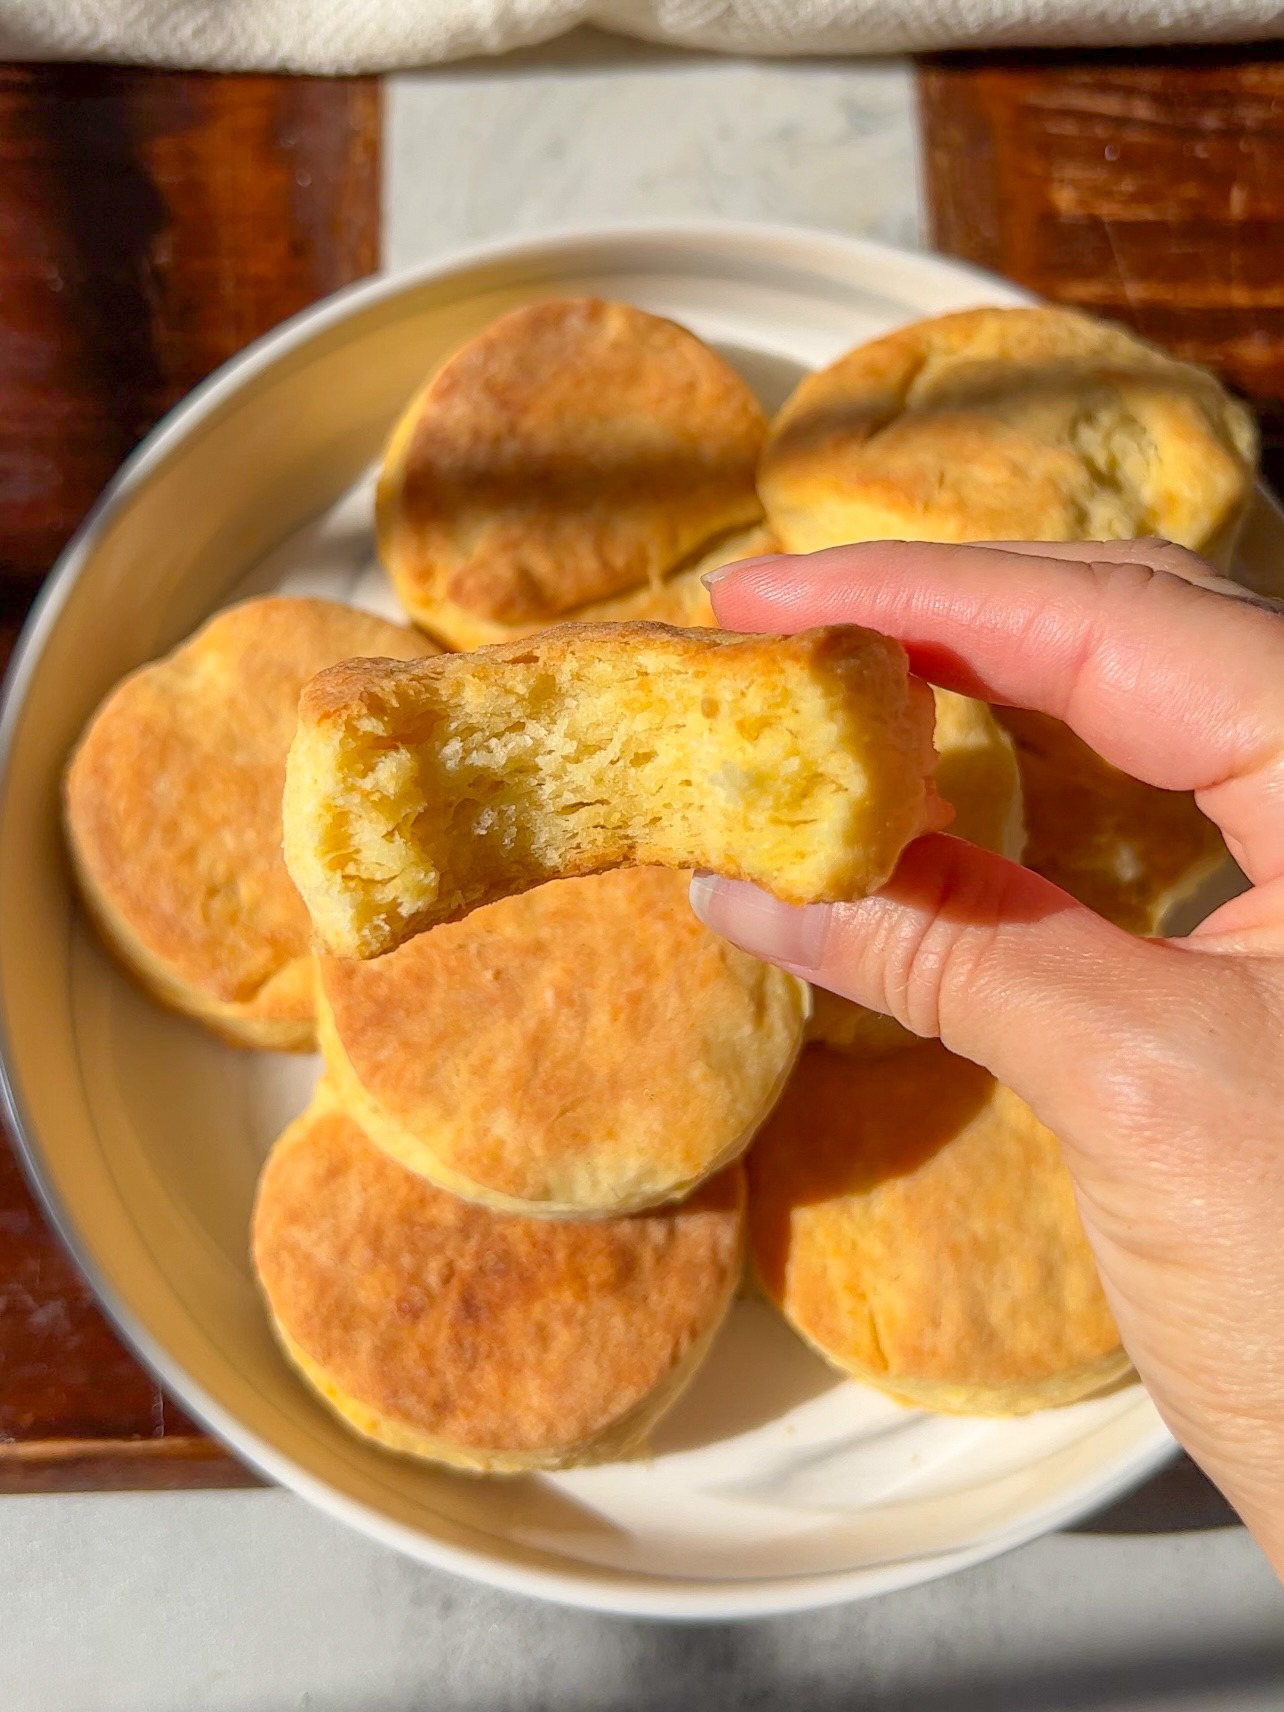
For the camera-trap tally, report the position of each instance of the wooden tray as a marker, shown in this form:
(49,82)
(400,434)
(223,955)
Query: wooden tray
(1146,186)
(151,224)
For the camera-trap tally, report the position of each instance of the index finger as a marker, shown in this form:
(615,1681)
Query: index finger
(1166,679)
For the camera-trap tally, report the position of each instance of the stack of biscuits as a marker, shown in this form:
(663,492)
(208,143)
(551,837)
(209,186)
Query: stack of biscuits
(555,1111)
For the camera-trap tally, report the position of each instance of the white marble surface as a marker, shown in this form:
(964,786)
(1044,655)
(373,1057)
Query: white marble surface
(247,1602)
(592,129)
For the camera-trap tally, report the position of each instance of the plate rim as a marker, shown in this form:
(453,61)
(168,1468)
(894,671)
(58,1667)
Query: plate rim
(608,1591)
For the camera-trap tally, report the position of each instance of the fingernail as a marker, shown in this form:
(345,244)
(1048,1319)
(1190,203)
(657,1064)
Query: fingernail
(708,578)
(760,924)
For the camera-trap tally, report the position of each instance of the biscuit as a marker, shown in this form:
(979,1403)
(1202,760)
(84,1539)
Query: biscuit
(680,599)
(586,1047)
(1009,425)
(417,793)
(1127,850)
(173,814)
(473,1338)
(915,1224)
(977,775)
(572,451)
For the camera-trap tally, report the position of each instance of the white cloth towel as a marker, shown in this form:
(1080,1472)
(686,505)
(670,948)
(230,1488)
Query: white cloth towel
(381,35)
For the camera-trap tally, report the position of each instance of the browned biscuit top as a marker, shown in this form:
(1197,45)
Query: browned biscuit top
(480,1329)
(1008,424)
(173,796)
(916,1222)
(1124,848)
(588,1044)
(572,450)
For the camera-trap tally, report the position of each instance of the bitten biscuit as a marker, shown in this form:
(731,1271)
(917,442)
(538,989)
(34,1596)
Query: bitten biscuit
(415,794)
(587,1047)
(977,775)
(573,451)
(475,1339)
(1129,851)
(914,1222)
(173,814)
(1009,425)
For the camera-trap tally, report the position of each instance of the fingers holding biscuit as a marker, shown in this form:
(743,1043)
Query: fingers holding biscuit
(1000,965)
(804,764)
(960,945)
(1163,678)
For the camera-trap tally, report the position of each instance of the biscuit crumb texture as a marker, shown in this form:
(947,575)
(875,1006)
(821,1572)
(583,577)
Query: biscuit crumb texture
(416,794)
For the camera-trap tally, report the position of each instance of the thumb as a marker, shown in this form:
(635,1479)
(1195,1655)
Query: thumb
(1004,967)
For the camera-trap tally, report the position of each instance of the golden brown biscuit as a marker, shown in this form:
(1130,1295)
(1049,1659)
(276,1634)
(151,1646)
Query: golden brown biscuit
(914,1222)
(1009,425)
(173,813)
(1127,850)
(417,793)
(572,451)
(587,1047)
(977,775)
(473,1338)
(680,598)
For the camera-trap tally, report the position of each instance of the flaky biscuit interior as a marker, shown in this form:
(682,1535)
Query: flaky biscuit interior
(413,796)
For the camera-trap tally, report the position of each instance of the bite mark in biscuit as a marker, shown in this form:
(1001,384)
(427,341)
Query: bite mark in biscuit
(416,794)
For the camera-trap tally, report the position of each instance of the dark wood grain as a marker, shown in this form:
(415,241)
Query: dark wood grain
(1144,186)
(151,224)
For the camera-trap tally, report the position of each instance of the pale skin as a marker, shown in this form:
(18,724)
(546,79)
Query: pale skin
(1158,1063)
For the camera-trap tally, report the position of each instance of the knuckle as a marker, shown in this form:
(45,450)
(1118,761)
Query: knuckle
(1164,555)
(1151,553)
(935,959)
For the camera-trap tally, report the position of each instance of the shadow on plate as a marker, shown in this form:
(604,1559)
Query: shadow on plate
(1180,1499)
(757,1372)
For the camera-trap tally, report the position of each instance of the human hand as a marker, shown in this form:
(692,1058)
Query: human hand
(1159,1063)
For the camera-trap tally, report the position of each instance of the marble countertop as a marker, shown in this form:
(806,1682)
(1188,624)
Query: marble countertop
(247,1600)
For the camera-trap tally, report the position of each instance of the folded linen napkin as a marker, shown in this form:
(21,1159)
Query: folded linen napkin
(333,36)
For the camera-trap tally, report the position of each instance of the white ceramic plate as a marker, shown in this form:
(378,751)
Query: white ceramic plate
(775,1485)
